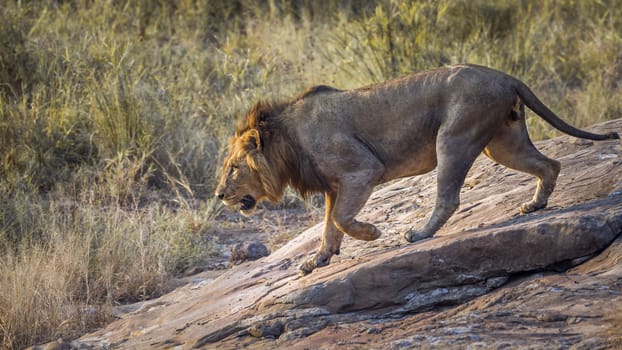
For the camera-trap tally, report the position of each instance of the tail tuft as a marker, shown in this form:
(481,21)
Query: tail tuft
(613,136)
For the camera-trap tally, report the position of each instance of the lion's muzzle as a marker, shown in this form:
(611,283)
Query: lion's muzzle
(247,203)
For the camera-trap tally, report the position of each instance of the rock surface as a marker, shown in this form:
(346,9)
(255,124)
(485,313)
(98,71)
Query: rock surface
(489,279)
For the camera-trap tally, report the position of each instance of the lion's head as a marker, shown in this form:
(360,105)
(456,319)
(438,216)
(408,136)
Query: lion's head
(247,175)
(263,159)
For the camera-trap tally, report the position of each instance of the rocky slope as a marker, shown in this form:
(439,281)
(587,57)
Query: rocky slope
(489,279)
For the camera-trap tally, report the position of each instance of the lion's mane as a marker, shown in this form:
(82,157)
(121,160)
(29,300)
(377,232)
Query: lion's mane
(281,159)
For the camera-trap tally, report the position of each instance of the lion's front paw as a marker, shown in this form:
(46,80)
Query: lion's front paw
(531,206)
(318,260)
(306,267)
(413,236)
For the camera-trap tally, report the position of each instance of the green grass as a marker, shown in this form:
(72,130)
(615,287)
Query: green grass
(114,116)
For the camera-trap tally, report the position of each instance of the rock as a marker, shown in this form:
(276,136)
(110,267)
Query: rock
(271,329)
(549,316)
(246,251)
(302,328)
(194,270)
(58,345)
(374,330)
(490,278)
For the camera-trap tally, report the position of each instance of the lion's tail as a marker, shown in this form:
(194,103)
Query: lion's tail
(531,101)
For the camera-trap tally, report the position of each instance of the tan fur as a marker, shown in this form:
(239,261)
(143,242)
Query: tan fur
(344,143)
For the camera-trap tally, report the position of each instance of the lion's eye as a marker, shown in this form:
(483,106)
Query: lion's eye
(233,170)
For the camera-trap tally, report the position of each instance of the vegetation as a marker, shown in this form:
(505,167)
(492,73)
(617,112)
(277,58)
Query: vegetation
(114,115)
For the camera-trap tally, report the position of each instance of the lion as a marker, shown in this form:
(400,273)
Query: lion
(345,142)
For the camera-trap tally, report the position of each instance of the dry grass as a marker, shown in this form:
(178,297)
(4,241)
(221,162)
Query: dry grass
(113,117)
(75,260)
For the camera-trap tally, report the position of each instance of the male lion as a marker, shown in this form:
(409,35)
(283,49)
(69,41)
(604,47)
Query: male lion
(344,143)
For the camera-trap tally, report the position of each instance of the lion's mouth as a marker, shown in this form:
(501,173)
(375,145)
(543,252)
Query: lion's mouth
(247,203)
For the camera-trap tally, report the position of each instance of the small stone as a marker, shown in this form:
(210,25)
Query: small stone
(551,316)
(496,282)
(193,270)
(374,330)
(583,142)
(266,329)
(60,344)
(245,251)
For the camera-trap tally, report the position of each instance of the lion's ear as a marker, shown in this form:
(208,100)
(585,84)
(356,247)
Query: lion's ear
(253,140)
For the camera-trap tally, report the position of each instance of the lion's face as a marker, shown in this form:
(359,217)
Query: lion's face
(240,184)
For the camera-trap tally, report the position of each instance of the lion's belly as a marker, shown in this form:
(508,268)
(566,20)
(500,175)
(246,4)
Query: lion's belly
(416,162)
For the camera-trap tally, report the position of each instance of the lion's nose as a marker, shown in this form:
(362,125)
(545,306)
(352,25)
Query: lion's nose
(220,195)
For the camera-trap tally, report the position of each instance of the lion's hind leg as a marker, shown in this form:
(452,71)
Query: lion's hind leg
(511,147)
